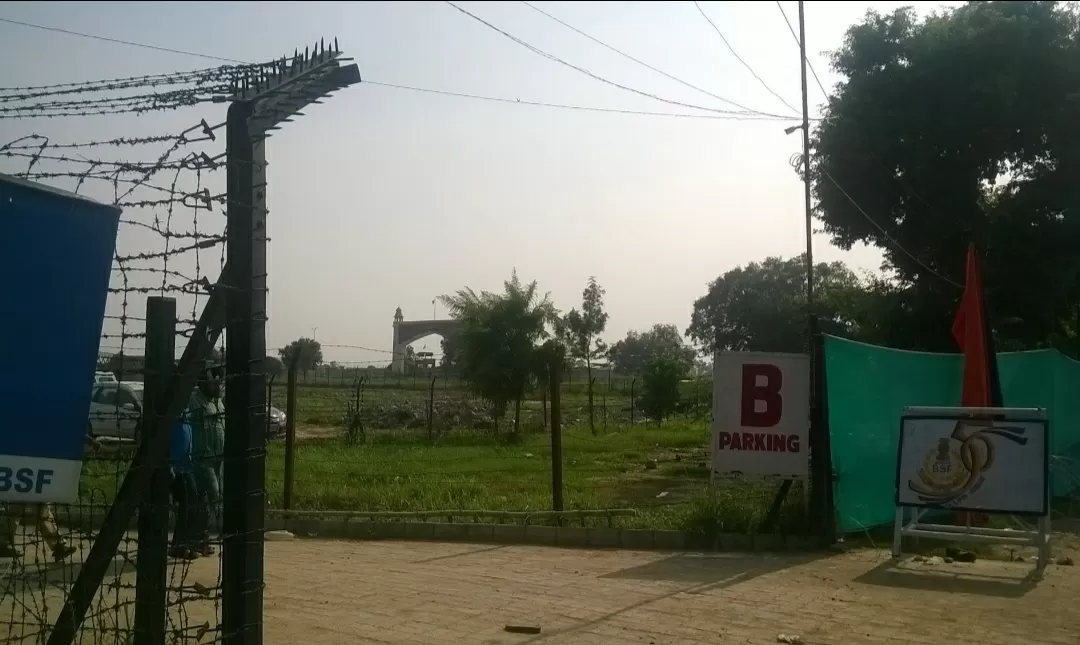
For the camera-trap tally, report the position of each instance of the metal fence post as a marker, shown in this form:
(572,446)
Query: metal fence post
(431,410)
(151,571)
(245,435)
(290,436)
(269,396)
(555,381)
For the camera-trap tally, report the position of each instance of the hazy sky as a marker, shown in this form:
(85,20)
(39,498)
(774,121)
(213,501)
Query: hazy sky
(386,197)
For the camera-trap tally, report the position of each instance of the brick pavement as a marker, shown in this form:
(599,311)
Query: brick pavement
(412,593)
(423,593)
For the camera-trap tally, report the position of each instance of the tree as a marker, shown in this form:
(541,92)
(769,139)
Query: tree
(451,352)
(632,353)
(499,336)
(583,329)
(306,351)
(660,387)
(273,366)
(960,128)
(762,306)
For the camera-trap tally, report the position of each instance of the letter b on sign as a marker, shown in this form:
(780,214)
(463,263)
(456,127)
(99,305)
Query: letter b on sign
(760,402)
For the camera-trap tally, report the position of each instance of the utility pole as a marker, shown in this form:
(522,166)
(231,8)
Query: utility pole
(812,319)
(818,500)
(818,473)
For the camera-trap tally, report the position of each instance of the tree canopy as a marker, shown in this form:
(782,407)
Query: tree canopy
(660,387)
(632,353)
(762,306)
(582,330)
(306,351)
(498,341)
(273,365)
(959,128)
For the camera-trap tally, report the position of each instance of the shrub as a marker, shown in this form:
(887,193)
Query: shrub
(353,425)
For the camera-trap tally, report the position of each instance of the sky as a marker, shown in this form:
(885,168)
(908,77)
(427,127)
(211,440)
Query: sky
(385,197)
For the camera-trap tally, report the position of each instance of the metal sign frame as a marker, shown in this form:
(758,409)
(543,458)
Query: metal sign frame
(913,526)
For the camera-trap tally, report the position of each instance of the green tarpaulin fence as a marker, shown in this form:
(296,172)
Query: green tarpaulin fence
(868,387)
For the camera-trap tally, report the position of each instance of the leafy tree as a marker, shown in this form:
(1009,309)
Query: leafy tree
(762,306)
(660,387)
(306,351)
(498,341)
(451,352)
(583,329)
(632,353)
(958,128)
(273,365)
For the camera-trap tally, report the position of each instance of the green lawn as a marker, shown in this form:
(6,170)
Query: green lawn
(661,471)
(402,471)
(324,405)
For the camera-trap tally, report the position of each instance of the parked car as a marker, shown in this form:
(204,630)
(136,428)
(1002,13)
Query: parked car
(104,377)
(115,410)
(275,423)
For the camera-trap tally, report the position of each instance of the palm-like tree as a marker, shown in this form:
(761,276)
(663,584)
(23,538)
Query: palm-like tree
(499,340)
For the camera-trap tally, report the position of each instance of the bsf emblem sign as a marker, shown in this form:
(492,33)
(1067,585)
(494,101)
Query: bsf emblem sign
(761,415)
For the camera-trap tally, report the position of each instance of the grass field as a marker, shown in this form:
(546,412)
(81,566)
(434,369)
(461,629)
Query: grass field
(322,405)
(660,470)
(400,471)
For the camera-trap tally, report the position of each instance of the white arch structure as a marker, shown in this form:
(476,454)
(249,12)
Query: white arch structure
(409,331)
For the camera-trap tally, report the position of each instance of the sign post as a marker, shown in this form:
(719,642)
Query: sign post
(56,252)
(985,460)
(761,412)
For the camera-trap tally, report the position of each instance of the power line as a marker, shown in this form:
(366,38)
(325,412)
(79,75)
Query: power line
(898,180)
(733,116)
(806,60)
(499,99)
(740,59)
(552,57)
(120,42)
(638,61)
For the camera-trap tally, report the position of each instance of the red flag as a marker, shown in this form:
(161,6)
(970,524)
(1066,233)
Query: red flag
(971,329)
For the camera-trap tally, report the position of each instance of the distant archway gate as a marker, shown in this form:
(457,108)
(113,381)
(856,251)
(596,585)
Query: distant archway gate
(409,331)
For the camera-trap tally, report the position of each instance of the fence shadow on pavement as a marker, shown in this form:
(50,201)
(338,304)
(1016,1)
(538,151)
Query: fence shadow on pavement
(709,571)
(996,579)
(55,575)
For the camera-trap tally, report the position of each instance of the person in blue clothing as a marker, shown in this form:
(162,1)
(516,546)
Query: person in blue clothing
(185,492)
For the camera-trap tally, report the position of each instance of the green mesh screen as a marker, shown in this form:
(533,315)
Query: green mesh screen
(869,386)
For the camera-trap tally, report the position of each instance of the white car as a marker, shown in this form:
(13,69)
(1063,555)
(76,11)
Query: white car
(275,423)
(115,410)
(104,377)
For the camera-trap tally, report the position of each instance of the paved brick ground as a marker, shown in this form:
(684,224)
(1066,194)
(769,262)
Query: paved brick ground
(417,593)
(411,593)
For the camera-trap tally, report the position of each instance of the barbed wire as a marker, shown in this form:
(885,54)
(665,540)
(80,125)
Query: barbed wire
(170,185)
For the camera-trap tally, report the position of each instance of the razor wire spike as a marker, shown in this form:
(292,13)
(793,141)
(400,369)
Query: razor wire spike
(208,131)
